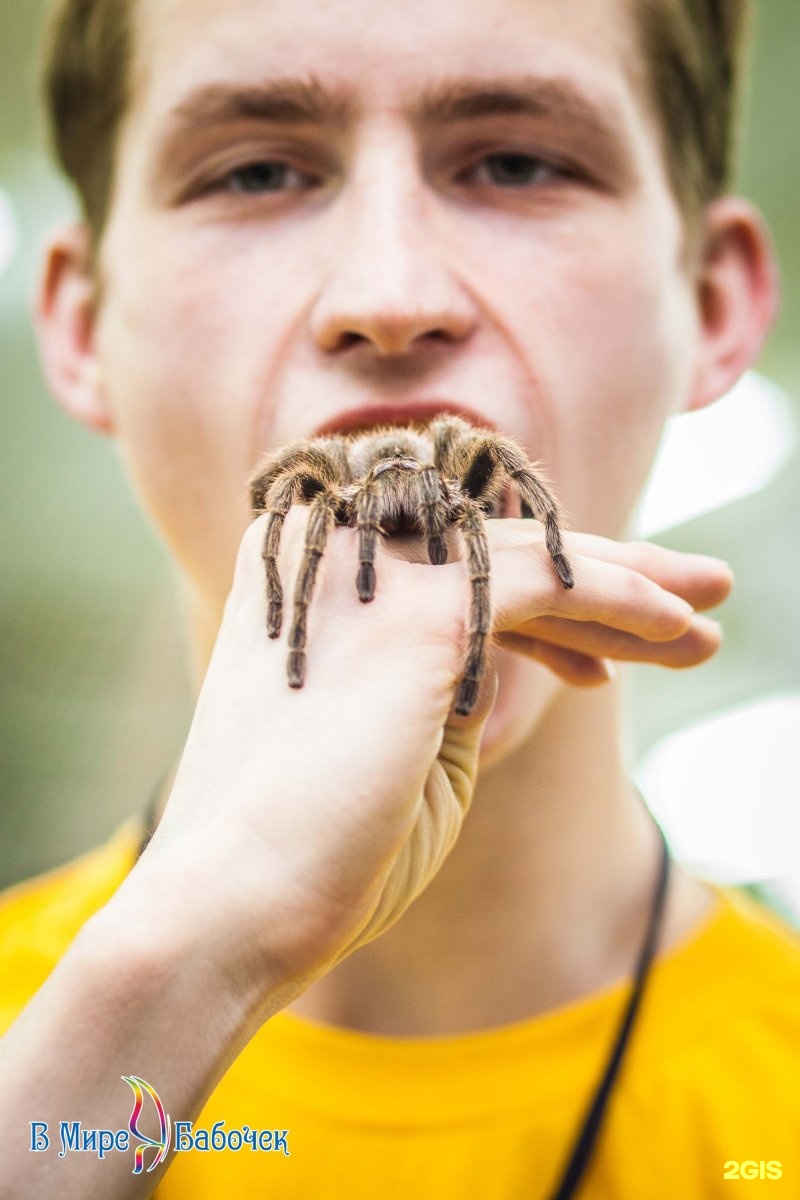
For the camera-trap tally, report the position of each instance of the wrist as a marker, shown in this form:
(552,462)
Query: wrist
(168,934)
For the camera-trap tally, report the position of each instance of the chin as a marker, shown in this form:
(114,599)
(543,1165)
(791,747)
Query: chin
(526,689)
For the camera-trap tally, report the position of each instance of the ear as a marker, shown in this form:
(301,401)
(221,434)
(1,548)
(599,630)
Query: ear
(64,313)
(737,296)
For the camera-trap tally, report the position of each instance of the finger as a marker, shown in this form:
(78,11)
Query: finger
(700,642)
(525,586)
(700,579)
(580,670)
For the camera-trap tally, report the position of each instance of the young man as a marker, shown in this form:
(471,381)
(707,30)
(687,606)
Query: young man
(316,214)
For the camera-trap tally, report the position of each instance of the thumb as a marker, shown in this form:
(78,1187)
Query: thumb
(460,751)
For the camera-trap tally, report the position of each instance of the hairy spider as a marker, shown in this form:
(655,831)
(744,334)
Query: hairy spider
(398,479)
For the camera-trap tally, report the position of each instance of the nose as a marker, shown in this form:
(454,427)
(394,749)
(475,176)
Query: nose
(389,288)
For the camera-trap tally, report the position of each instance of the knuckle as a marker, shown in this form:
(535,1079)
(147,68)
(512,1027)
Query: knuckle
(648,552)
(637,592)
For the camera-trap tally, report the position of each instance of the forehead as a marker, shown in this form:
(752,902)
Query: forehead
(381,51)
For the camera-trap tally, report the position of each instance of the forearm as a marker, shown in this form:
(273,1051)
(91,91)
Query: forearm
(139,993)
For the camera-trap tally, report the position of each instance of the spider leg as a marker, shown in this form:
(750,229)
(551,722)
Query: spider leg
(481,451)
(307,472)
(535,497)
(321,520)
(277,503)
(448,432)
(367,506)
(432,512)
(302,469)
(471,523)
(326,461)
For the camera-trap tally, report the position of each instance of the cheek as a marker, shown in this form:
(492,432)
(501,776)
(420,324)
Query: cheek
(183,353)
(644,371)
(610,336)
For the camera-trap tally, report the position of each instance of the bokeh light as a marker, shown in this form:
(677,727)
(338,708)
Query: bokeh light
(726,791)
(717,455)
(9,232)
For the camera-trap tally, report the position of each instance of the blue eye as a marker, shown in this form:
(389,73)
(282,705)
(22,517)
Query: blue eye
(259,177)
(518,170)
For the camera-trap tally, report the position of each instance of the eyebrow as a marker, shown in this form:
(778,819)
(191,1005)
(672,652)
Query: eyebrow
(307,100)
(284,101)
(465,99)
(296,101)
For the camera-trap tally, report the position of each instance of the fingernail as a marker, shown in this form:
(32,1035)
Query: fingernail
(714,563)
(611,671)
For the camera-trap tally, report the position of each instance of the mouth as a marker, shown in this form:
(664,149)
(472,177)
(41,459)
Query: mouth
(369,416)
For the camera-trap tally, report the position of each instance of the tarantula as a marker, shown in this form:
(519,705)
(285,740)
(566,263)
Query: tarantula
(398,479)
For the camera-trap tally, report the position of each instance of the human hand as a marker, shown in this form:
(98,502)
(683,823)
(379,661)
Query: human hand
(315,816)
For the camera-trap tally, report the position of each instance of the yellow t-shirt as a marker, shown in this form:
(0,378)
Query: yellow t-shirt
(710,1085)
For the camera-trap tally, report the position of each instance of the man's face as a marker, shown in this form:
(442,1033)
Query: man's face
(478,213)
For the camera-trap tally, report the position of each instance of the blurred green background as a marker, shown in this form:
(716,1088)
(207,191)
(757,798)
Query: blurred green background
(95,696)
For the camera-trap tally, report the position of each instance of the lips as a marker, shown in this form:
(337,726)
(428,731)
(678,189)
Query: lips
(418,412)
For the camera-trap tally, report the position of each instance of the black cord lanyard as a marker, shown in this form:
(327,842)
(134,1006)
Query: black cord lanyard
(586,1139)
(587,1136)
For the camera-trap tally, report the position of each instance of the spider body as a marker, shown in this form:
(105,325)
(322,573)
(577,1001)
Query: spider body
(399,479)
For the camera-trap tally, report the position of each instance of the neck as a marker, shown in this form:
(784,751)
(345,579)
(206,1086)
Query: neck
(544,899)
